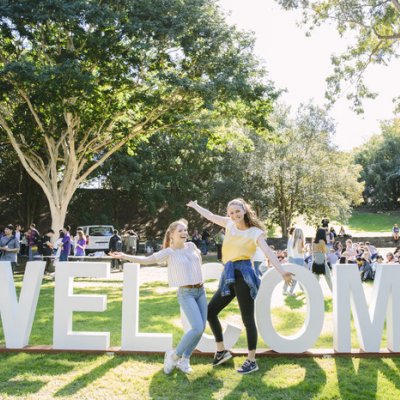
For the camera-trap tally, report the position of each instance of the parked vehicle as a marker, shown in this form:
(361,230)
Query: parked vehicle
(97,237)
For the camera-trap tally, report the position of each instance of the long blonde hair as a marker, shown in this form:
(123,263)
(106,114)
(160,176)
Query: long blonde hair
(250,217)
(171,229)
(298,239)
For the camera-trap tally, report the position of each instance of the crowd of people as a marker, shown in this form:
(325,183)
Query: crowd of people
(30,244)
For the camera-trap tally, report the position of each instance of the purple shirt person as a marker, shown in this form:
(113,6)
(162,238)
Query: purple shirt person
(80,244)
(66,244)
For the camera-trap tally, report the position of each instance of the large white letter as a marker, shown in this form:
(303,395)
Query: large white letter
(131,339)
(310,331)
(17,317)
(231,332)
(65,303)
(348,292)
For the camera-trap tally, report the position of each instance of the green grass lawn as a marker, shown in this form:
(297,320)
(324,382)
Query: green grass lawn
(78,376)
(362,221)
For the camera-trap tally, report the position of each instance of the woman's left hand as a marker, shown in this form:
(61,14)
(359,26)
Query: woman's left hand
(116,254)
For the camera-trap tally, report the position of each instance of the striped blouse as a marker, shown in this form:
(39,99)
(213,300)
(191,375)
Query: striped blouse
(184,265)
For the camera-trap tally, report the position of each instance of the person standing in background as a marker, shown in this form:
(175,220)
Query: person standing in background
(295,250)
(47,249)
(66,244)
(80,244)
(115,245)
(218,239)
(9,247)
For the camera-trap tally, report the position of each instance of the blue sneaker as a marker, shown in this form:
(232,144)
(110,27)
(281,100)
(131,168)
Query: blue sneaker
(248,367)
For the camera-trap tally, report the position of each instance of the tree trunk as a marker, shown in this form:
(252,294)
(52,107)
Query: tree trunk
(58,214)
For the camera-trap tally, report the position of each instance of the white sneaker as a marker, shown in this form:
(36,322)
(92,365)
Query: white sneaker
(169,361)
(184,365)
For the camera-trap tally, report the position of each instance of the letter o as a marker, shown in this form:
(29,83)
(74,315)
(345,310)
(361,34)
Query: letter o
(308,334)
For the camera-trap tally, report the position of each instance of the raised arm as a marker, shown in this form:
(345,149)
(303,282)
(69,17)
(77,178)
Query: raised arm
(269,253)
(144,260)
(217,219)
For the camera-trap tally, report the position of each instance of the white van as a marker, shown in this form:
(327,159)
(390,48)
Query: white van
(97,237)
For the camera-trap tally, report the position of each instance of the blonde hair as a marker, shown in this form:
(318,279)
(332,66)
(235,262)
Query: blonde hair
(171,229)
(298,239)
(81,235)
(250,217)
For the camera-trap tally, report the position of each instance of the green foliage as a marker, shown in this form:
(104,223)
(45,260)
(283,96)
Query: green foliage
(380,159)
(376,27)
(81,79)
(300,173)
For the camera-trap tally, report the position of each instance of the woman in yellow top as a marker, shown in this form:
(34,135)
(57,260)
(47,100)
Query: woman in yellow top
(243,233)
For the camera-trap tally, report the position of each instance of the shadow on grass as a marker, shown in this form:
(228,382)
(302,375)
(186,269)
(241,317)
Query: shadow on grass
(86,379)
(179,386)
(366,376)
(16,367)
(259,385)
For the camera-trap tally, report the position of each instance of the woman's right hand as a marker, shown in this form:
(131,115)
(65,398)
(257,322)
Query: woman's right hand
(288,277)
(192,203)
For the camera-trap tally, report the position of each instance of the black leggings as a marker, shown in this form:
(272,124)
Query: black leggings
(246,305)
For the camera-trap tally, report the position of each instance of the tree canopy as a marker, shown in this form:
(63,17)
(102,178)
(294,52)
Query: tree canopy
(380,159)
(81,79)
(376,25)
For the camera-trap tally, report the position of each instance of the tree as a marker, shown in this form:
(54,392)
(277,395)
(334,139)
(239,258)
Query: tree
(81,79)
(302,172)
(161,176)
(21,199)
(380,159)
(376,25)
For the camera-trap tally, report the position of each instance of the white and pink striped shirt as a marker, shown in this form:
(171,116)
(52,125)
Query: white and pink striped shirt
(184,265)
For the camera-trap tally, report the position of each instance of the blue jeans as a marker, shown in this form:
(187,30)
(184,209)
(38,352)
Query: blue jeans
(63,256)
(193,302)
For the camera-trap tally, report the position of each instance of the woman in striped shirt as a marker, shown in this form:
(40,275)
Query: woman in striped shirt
(184,271)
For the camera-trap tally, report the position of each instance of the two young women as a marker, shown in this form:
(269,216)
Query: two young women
(244,232)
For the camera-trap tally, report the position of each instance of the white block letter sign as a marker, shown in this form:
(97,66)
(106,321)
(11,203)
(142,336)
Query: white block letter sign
(65,303)
(131,339)
(17,316)
(231,333)
(312,327)
(349,297)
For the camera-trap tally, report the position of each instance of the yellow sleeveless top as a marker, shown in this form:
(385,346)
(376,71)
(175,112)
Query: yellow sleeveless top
(239,245)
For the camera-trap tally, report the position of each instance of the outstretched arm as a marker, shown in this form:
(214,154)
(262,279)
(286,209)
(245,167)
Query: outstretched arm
(287,276)
(217,219)
(136,259)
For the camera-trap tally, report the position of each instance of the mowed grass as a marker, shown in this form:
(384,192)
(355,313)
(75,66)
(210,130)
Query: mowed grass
(82,376)
(362,221)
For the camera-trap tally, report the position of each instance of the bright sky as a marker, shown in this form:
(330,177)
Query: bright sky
(300,65)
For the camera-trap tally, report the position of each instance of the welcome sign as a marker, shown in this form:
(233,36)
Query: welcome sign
(348,299)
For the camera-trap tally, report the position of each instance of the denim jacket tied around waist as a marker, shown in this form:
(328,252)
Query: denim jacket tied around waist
(249,276)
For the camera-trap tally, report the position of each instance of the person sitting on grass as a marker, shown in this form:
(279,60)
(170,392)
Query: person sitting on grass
(395,232)
(390,258)
(184,271)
